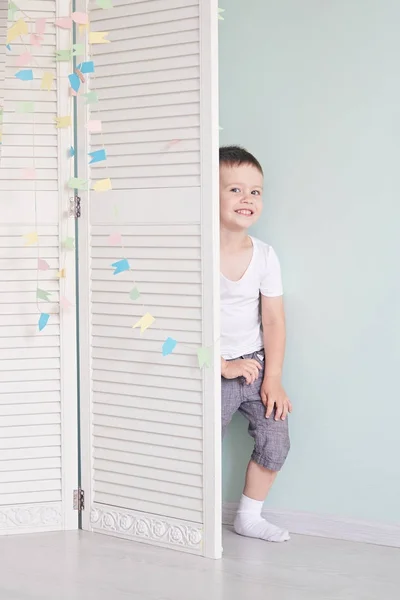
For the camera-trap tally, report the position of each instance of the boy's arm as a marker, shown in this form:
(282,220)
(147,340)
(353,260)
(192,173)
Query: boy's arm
(274,330)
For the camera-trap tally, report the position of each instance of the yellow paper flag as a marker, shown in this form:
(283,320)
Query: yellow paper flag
(144,322)
(31,238)
(63,122)
(61,274)
(98,37)
(47,81)
(19,28)
(103,185)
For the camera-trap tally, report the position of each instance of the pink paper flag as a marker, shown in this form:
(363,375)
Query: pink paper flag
(94,126)
(80,18)
(65,303)
(36,40)
(72,92)
(29,173)
(64,22)
(115,239)
(24,59)
(43,265)
(40,26)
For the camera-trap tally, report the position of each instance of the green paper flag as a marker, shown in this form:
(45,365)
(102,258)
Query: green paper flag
(78,50)
(135,294)
(69,243)
(63,55)
(104,3)
(26,107)
(204,357)
(76,183)
(42,295)
(91,97)
(12,9)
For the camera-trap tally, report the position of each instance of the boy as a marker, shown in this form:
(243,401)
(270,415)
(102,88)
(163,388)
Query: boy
(252,319)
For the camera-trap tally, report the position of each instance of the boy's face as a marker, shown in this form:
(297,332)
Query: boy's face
(240,192)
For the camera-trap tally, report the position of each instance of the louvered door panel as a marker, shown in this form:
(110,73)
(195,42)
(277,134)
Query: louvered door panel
(152,414)
(38,465)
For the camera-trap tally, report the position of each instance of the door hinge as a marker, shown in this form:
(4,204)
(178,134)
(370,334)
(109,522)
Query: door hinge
(79,499)
(75,207)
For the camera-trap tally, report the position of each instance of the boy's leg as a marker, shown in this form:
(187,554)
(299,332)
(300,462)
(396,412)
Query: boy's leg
(270,451)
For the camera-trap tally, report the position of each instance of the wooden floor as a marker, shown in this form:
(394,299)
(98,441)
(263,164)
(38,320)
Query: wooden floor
(82,566)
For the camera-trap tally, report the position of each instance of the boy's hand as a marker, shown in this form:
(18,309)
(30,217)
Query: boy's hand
(242,367)
(273,394)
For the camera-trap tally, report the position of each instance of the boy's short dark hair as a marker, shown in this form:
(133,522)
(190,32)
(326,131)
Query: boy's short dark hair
(236,155)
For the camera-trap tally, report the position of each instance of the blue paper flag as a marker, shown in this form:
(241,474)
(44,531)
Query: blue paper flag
(86,67)
(97,156)
(120,266)
(71,151)
(168,346)
(74,81)
(8,47)
(25,75)
(43,320)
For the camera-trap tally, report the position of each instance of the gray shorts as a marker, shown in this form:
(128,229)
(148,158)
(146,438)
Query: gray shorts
(271,437)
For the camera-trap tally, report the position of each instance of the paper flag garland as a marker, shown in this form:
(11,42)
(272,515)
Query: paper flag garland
(61,274)
(12,10)
(65,303)
(36,40)
(40,26)
(69,243)
(104,3)
(64,22)
(86,67)
(204,357)
(42,294)
(25,75)
(220,17)
(26,107)
(74,82)
(120,266)
(103,185)
(71,153)
(63,55)
(76,183)
(94,126)
(115,239)
(80,18)
(144,323)
(168,346)
(134,294)
(62,122)
(47,81)
(24,59)
(31,238)
(97,37)
(78,50)
(97,156)
(91,97)
(19,28)
(43,265)
(43,320)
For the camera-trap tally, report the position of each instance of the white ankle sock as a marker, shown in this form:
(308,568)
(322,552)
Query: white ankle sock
(250,523)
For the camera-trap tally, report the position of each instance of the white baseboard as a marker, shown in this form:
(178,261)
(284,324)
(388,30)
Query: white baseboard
(339,528)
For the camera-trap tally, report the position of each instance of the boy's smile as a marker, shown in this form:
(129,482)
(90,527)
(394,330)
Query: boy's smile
(241,189)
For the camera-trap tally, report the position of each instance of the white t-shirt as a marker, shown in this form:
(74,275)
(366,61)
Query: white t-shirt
(241,331)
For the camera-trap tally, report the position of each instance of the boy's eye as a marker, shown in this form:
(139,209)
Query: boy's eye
(256,192)
(235,189)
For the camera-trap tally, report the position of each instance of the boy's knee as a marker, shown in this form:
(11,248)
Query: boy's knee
(272,446)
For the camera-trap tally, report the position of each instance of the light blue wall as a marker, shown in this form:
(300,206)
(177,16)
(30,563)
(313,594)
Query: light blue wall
(313,90)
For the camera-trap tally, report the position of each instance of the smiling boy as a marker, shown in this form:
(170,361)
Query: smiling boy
(252,337)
